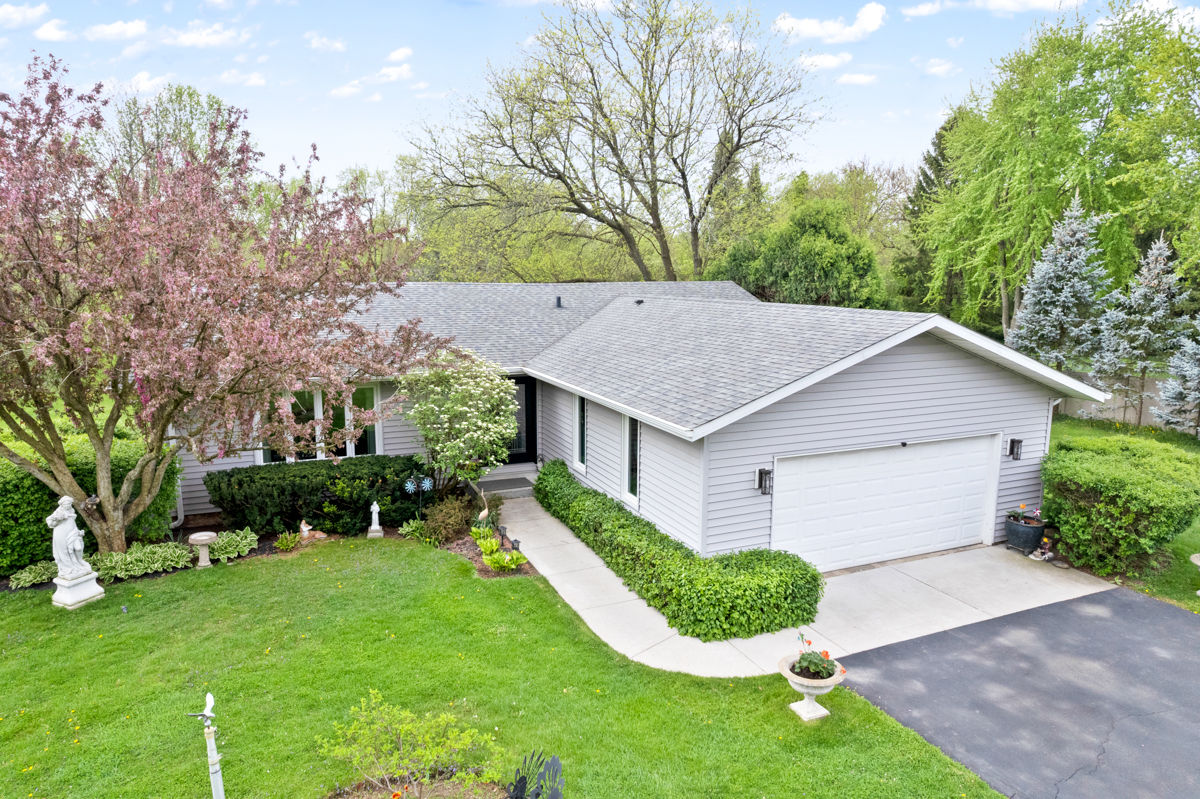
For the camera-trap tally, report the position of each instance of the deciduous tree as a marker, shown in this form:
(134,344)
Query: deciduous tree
(153,299)
(628,116)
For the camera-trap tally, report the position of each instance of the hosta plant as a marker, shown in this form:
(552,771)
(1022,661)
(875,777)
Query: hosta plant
(504,561)
(140,559)
(489,546)
(42,572)
(232,544)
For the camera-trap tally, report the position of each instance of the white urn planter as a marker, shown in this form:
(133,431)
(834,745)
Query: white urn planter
(807,708)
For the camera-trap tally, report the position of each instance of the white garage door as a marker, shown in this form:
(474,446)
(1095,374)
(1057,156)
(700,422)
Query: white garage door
(842,509)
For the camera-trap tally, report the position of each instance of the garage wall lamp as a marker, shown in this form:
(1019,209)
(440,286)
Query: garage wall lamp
(766,481)
(1014,448)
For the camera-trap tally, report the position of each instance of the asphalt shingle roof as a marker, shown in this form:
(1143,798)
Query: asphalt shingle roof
(510,323)
(689,361)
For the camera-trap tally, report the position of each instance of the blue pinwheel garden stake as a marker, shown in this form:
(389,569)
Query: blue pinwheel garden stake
(424,484)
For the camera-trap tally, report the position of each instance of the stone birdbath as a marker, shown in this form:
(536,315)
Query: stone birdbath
(201,542)
(807,708)
(1196,561)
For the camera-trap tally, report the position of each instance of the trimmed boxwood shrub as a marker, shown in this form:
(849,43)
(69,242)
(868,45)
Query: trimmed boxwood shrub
(1118,499)
(728,596)
(333,498)
(25,502)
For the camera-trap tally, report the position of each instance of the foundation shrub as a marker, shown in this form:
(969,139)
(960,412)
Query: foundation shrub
(1119,499)
(728,596)
(449,519)
(333,497)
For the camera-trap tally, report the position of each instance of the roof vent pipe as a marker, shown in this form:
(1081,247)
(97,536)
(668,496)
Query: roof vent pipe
(558,302)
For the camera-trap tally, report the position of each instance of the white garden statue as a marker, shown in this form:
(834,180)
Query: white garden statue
(375,530)
(76,579)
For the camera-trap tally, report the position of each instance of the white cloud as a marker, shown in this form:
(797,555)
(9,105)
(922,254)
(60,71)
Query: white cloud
(432,95)
(242,78)
(922,10)
(391,74)
(52,32)
(955,43)
(997,7)
(116,30)
(857,79)
(323,44)
(419,87)
(240,58)
(831,31)
(200,35)
(262,59)
(826,60)
(142,83)
(399,55)
(222,4)
(374,98)
(938,67)
(15,16)
(350,89)
(168,6)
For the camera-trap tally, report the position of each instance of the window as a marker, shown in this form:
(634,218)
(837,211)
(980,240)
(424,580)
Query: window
(631,448)
(580,432)
(309,405)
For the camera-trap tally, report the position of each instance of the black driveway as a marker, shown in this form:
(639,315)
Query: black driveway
(1095,697)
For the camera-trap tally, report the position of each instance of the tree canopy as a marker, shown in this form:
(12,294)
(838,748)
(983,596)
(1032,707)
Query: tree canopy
(158,298)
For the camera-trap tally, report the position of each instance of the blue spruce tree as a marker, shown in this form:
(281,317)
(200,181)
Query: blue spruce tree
(1140,331)
(1063,299)
(1180,394)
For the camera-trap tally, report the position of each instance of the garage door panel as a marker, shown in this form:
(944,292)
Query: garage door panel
(850,508)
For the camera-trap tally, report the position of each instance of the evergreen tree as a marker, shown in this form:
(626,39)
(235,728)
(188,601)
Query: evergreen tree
(1058,323)
(1140,330)
(913,272)
(1180,394)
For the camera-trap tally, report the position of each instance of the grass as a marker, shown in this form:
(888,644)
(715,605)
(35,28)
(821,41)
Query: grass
(1178,582)
(94,699)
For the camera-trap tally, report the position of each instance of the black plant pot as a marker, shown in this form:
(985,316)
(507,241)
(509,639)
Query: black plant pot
(1025,535)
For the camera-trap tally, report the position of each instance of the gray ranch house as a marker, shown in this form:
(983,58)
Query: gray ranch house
(845,436)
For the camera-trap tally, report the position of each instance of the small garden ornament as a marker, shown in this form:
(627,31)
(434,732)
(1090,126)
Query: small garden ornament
(812,674)
(375,531)
(214,759)
(308,534)
(76,579)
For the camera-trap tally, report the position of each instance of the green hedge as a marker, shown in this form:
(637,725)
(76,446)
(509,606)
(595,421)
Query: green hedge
(332,498)
(25,502)
(1116,500)
(728,596)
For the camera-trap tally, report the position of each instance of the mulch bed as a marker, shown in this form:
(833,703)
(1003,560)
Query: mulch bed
(465,545)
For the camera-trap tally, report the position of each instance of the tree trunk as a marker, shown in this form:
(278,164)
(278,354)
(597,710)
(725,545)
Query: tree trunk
(1141,396)
(1005,322)
(697,261)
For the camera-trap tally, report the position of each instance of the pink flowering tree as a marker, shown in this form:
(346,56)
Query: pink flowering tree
(172,300)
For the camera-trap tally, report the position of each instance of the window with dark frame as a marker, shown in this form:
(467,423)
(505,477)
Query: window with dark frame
(581,423)
(304,409)
(632,459)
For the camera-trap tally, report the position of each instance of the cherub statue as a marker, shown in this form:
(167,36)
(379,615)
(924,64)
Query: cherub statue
(68,541)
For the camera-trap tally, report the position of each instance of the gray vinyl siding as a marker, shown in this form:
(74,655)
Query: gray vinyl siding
(921,389)
(195,495)
(670,475)
(399,437)
(556,415)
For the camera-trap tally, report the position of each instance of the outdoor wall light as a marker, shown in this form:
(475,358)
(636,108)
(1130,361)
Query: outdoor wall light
(1014,449)
(766,480)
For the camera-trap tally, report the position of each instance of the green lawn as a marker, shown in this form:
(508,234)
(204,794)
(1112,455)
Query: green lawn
(93,700)
(1179,582)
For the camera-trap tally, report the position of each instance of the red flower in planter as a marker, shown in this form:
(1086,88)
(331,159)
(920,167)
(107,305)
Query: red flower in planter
(825,654)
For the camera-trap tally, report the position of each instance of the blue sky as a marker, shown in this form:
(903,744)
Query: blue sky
(354,77)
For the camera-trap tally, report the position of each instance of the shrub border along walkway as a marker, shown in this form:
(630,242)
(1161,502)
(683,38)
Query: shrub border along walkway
(714,599)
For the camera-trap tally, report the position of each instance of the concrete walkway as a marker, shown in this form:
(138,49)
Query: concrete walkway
(861,611)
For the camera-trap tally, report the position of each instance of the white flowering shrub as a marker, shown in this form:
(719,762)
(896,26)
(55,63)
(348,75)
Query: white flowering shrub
(1064,296)
(465,409)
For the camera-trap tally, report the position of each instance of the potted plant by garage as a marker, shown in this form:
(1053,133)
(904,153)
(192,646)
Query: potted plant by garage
(1024,530)
(812,674)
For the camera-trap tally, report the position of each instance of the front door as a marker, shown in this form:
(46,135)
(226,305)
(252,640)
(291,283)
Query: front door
(523,448)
